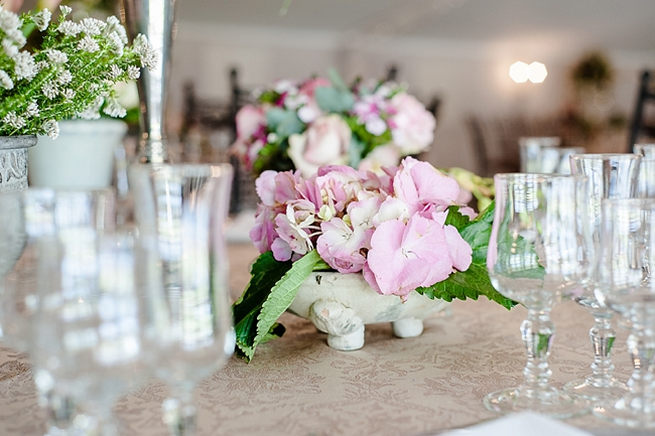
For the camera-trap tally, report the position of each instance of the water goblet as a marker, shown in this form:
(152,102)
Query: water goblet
(535,255)
(625,266)
(184,208)
(27,217)
(553,159)
(95,319)
(530,151)
(610,176)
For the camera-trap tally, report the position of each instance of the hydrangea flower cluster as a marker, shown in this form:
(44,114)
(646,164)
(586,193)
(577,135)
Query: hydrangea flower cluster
(317,122)
(71,74)
(389,226)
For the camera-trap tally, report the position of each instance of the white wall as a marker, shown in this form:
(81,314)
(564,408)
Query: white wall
(471,77)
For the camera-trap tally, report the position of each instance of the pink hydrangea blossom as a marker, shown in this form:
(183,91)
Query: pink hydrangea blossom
(421,185)
(263,233)
(412,125)
(404,256)
(340,245)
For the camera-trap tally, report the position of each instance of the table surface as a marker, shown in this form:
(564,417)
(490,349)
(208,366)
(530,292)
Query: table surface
(297,385)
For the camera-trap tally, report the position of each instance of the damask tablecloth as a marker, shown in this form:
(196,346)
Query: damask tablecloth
(297,385)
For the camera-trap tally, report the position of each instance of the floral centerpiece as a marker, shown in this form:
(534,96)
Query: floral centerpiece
(305,125)
(405,230)
(72,73)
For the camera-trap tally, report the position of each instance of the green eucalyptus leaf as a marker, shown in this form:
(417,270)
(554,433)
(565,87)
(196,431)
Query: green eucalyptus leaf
(333,100)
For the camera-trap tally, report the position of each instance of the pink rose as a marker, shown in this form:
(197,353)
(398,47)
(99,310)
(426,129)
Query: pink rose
(250,120)
(326,142)
(412,126)
(381,157)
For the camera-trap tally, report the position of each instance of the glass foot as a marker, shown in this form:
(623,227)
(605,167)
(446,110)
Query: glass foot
(629,411)
(603,391)
(550,402)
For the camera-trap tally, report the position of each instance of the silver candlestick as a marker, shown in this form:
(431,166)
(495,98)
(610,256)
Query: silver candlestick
(154,19)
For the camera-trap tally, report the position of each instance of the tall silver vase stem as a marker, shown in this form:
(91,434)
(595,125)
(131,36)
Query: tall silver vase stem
(154,19)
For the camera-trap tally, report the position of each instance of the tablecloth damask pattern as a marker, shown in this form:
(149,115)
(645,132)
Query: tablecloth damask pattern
(299,386)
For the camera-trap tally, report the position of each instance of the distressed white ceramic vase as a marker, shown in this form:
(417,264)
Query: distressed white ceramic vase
(342,304)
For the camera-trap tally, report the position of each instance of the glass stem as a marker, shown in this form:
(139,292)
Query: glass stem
(602,339)
(642,353)
(180,414)
(537,331)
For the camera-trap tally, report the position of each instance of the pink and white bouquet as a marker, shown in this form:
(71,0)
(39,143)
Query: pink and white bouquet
(308,124)
(406,229)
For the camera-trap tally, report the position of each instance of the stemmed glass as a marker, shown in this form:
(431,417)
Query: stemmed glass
(552,159)
(610,176)
(647,171)
(530,151)
(27,218)
(625,266)
(184,208)
(534,255)
(95,318)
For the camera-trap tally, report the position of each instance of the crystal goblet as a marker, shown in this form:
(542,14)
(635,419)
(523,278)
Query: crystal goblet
(625,266)
(610,176)
(534,255)
(27,218)
(530,151)
(184,208)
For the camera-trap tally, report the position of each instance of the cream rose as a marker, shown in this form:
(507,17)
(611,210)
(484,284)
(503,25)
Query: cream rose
(325,142)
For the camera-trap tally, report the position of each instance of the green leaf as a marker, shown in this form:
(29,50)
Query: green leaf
(265,272)
(456,219)
(355,151)
(336,80)
(478,232)
(467,284)
(333,100)
(272,288)
(283,293)
(284,122)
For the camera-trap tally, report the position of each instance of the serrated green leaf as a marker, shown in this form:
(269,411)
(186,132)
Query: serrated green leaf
(333,100)
(477,233)
(265,272)
(283,293)
(467,284)
(456,219)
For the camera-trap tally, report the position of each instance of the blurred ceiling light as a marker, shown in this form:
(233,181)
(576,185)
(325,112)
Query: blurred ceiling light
(519,72)
(537,72)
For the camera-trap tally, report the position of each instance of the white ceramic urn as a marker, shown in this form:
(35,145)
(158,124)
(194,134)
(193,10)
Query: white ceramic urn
(342,304)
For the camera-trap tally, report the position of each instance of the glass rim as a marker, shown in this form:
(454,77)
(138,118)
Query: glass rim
(539,176)
(186,169)
(605,156)
(44,190)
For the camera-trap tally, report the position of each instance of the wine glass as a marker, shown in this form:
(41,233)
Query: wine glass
(627,286)
(184,207)
(534,255)
(553,159)
(95,319)
(610,176)
(530,151)
(27,218)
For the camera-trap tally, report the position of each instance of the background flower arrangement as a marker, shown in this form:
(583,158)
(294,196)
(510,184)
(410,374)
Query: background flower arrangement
(72,73)
(304,125)
(405,229)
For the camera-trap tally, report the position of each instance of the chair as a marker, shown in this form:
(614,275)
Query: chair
(639,126)
(209,121)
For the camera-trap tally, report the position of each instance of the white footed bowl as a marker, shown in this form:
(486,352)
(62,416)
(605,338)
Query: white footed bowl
(342,304)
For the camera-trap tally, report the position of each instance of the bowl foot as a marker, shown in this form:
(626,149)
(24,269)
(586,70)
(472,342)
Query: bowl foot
(407,327)
(349,342)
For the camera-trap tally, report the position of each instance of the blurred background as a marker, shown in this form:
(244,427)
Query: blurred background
(455,56)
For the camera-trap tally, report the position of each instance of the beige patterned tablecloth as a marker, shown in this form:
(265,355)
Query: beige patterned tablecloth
(297,385)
